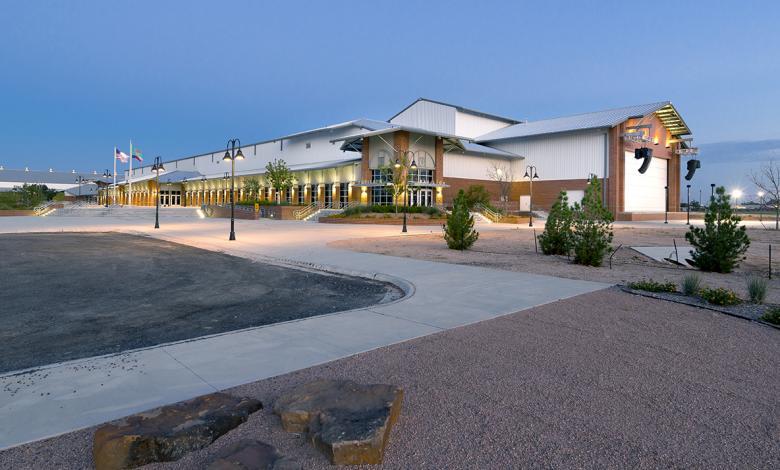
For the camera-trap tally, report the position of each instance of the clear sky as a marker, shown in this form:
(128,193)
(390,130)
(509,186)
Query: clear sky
(78,77)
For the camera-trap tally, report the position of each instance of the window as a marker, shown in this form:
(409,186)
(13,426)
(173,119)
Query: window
(300,194)
(421,175)
(381,196)
(380,176)
(288,194)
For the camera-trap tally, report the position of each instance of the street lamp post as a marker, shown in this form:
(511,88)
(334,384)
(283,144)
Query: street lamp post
(688,205)
(666,204)
(712,190)
(157,168)
(231,155)
(413,167)
(106,174)
(531,174)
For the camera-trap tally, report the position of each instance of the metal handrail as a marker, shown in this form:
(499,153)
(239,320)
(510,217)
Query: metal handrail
(304,212)
(491,215)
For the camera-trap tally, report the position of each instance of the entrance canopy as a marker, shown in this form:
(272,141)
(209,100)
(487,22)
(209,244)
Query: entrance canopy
(354,142)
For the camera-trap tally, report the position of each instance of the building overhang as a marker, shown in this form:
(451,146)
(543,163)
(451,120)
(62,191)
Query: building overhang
(354,142)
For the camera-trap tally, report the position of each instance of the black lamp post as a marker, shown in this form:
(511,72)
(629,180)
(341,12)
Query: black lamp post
(688,204)
(231,155)
(666,205)
(412,167)
(530,173)
(106,174)
(157,168)
(712,190)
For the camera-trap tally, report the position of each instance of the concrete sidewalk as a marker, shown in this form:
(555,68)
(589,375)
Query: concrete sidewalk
(63,397)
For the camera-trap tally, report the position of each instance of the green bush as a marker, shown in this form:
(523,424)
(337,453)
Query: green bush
(557,237)
(720,296)
(691,284)
(591,227)
(653,286)
(378,209)
(459,230)
(756,287)
(721,244)
(477,194)
(772,315)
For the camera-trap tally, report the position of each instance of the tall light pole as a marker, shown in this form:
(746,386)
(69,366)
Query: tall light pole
(231,155)
(712,190)
(530,173)
(106,175)
(157,168)
(412,167)
(688,205)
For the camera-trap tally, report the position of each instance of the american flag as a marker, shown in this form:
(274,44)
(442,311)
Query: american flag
(122,156)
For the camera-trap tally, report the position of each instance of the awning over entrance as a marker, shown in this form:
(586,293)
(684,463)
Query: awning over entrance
(354,142)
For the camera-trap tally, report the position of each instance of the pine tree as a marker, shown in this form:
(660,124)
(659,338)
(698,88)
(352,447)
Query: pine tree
(592,227)
(459,231)
(557,236)
(721,244)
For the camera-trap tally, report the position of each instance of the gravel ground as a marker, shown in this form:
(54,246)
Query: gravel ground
(603,380)
(513,250)
(71,295)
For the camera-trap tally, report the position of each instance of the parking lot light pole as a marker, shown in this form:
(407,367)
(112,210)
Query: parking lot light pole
(712,190)
(531,174)
(106,174)
(231,155)
(157,168)
(688,205)
(666,204)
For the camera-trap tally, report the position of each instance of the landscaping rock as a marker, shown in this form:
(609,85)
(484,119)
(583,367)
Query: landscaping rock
(167,433)
(250,454)
(347,421)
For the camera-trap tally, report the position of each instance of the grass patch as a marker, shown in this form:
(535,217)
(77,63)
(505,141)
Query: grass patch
(720,296)
(756,287)
(691,284)
(653,286)
(772,315)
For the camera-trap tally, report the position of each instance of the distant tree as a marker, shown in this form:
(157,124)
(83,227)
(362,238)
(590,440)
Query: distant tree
(459,231)
(476,194)
(767,179)
(557,236)
(252,185)
(279,176)
(592,227)
(722,242)
(502,174)
(30,195)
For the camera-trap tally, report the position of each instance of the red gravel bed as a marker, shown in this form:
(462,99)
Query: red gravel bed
(604,380)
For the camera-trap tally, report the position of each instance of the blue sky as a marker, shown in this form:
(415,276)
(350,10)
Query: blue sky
(78,77)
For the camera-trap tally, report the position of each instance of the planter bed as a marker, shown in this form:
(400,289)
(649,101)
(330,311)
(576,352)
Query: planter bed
(412,219)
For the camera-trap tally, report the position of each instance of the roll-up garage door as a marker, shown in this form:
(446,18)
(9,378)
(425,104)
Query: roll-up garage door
(644,192)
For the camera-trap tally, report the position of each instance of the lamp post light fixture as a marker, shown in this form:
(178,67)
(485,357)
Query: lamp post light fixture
(106,174)
(413,167)
(157,168)
(231,155)
(666,204)
(712,190)
(531,174)
(688,205)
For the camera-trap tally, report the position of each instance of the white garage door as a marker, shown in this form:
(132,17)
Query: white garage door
(644,192)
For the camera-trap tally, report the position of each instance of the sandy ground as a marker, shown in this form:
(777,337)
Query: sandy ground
(606,380)
(513,250)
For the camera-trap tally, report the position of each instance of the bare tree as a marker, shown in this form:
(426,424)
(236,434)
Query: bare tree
(502,174)
(767,179)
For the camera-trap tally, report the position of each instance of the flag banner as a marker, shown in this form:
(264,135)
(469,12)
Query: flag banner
(122,156)
(138,155)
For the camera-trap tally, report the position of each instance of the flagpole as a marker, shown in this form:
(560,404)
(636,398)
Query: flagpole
(130,177)
(113,193)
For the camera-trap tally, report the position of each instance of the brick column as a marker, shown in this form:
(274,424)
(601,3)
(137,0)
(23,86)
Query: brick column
(438,172)
(365,170)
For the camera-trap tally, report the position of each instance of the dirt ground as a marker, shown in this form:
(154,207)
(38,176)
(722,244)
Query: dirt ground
(513,250)
(602,380)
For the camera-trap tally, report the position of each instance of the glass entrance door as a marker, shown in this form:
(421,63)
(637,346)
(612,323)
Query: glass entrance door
(421,197)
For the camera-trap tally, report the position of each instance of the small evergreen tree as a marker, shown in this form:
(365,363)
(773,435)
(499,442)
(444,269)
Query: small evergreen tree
(557,236)
(477,194)
(721,244)
(592,227)
(459,231)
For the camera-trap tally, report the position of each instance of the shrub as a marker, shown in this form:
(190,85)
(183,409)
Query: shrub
(591,227)
(772,315)
(556,238)
(653,286)
(477,194)
(691,284)
(756,287)
(459,231)
(721,244)
(356,210)
(720,296)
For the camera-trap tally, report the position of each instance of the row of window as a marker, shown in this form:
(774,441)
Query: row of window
(419,175)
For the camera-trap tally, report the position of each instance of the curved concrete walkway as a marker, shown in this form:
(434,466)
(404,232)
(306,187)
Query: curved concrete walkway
(48,401)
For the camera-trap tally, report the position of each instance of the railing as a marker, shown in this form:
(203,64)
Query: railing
(306,211)
(490,214)
(43,209)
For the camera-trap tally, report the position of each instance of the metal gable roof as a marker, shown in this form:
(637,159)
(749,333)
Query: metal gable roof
(600,119)
(45,177)
(459,108)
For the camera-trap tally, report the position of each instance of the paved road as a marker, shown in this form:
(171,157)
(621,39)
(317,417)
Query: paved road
(72,395)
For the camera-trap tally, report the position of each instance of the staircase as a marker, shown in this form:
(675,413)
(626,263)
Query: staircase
(123,212)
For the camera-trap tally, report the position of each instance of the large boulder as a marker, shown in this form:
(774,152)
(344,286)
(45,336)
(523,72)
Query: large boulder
(349,422)
(250,454)
(167,433)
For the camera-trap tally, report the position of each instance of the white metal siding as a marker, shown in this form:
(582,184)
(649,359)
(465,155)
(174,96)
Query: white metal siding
(430,116)
(469,125)
(563,156)
(459,165)
(644,192)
